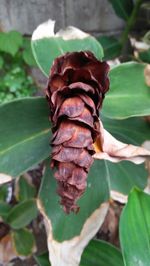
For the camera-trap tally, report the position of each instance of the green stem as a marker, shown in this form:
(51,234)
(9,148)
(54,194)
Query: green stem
(130,23)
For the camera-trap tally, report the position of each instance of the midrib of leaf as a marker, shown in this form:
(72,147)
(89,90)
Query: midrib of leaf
(24,141)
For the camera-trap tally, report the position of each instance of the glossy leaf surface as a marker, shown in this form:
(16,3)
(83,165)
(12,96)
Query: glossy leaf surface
(124,175)
(24,135)
(135,229)
(128,95)
(100,253)
(22,214)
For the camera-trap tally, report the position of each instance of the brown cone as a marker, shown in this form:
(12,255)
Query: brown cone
(75,91)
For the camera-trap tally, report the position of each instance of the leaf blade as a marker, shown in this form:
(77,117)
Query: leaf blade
(111,46)
(132,131)
(22,214)
(28,144)
(45,42)
(10,42)
(127,89)
(135,229)
(23,241)
(101,253)
(123,8)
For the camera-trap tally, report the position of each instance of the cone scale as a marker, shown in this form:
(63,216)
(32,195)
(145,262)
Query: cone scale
(76,88)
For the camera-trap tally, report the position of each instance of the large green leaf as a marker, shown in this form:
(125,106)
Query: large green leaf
(111,46)
(10,42)
(125,175)
(132,130)
(100,253)
(23,241)
(67,226)
(123,8)
(24,135)
(22,214)
(128,95)
(135,230)
(47,48)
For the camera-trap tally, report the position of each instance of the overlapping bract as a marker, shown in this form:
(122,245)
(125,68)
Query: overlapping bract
(75,91)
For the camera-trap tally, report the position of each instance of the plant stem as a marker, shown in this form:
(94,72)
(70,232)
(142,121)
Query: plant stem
(130,23)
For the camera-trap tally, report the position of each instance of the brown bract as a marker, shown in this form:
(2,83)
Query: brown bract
(75,91)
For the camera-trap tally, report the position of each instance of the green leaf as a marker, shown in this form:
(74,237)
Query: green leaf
(133,130)
(27,53)
(100,253)
(67,226)
(22,214)
(111,46)
(125,175)
(135,229)
(1,62)
(4,209)
(123,8)
(42,260)
(24,135)
(23,241)
(10,42)
(3,192)
(128,95)
(25,190)
(145,56)
(47,47)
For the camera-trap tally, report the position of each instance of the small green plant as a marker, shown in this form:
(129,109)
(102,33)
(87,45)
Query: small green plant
(15,59)
(17,210)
